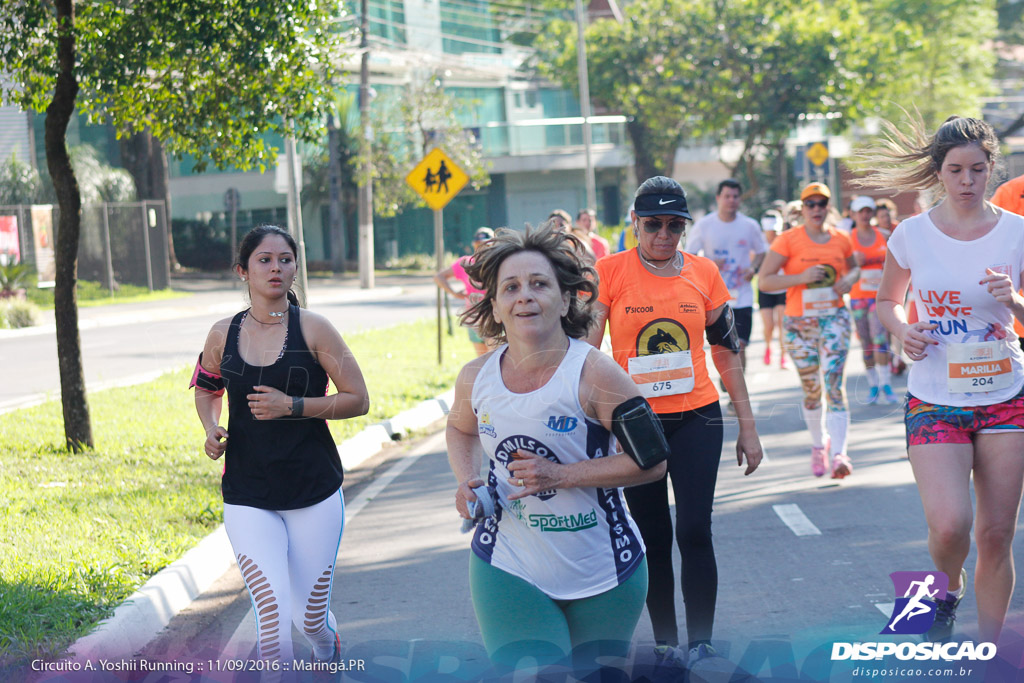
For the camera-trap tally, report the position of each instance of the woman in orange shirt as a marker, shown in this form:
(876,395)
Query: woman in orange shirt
(819,268)
(869,252)
(658,302)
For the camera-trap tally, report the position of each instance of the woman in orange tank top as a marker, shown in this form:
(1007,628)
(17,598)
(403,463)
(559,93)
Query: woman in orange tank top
(869,252)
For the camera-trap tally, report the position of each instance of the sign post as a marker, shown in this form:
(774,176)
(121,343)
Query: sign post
(437,179)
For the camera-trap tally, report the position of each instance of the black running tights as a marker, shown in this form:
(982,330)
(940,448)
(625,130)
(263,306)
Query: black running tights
(695,439)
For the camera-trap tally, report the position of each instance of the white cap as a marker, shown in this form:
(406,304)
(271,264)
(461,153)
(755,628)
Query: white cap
(862,202)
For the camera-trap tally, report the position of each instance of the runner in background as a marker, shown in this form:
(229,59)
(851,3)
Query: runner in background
(734,242)
(819,269)
(658,302)
(869,252)
(965,407)
(469,294)
(1010,196)
(885,215)
(586,221)
(772,303)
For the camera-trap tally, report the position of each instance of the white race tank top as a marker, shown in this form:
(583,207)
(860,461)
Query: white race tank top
(570,543)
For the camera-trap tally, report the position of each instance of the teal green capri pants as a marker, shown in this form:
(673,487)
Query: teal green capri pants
(522,626)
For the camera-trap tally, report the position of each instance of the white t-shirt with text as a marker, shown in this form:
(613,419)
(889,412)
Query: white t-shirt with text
(732,242)
(945,274)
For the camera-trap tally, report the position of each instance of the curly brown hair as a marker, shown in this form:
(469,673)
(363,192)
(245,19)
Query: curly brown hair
(562,250)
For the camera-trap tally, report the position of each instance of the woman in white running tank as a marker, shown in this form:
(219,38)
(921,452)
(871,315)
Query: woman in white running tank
(559,569)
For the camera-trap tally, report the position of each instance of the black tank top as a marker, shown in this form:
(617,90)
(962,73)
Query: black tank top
(285,463)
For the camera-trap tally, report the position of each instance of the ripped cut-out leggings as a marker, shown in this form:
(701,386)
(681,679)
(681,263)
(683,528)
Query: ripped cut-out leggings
(287,560)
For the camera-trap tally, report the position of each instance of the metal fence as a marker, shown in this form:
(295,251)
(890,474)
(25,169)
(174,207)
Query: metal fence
(120,243)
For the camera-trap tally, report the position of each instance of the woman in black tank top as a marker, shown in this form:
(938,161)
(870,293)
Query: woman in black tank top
(283,507)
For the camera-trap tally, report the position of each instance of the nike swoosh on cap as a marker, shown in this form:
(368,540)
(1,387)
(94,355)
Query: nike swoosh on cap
(662,202)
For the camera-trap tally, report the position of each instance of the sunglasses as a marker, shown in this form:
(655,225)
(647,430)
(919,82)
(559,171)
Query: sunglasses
(819,204)
(481,237)
(675,227)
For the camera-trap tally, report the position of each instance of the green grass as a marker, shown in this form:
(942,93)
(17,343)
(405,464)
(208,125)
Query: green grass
(81,532)
(95,294)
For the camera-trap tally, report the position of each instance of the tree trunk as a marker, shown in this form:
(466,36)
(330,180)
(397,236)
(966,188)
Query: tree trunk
(646,163)
(77,426)
(143,157)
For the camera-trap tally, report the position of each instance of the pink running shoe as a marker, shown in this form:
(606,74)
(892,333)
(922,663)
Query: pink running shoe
(841,466)
(782,361)
(768,356)
(819,459)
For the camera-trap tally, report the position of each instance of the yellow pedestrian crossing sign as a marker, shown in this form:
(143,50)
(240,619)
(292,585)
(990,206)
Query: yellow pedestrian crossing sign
(818,153)
(437,179)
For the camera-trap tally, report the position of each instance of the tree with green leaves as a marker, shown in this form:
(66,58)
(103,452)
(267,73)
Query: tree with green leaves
(408,123)
(714,69)
(208,78)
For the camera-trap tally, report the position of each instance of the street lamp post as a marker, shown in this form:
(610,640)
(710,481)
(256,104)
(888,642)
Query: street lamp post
(581,64)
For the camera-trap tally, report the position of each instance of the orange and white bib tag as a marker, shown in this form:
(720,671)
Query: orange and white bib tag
(870,279)
(821,301)
(979,367)
(663,374)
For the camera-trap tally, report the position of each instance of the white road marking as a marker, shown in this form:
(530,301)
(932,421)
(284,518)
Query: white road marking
(793,517)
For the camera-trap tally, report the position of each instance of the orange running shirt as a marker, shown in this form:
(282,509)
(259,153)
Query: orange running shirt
(801,252)
(650,315)
(871,272)
(1010,196)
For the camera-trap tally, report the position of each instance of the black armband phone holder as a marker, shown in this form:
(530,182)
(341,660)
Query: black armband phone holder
(723,332)
(206,380)
(639,432)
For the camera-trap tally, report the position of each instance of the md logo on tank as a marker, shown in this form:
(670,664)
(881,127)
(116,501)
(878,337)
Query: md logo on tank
(562,424)
(916,593)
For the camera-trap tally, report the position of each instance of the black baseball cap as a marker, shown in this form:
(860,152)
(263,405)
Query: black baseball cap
(660,196)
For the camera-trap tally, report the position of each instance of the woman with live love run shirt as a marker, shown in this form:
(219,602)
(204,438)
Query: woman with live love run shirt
(559,567)
(818,269)
(869,253)
(469,294)
(965,409)
(283,506)
(657,302)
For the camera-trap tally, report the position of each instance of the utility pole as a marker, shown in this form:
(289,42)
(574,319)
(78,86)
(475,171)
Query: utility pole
(581,64)
(366,170)
(295,212)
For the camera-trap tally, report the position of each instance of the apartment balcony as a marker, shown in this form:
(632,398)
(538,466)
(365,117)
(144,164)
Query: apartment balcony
(554,144)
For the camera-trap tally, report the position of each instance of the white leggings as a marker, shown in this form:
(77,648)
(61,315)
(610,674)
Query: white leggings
(287,561)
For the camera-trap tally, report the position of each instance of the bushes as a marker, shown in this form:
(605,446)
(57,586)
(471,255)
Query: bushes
(17,313)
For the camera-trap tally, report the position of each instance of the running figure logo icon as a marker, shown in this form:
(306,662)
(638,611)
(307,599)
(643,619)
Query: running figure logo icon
(916,593)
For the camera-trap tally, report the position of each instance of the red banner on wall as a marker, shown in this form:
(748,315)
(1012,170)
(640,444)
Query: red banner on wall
(10,245)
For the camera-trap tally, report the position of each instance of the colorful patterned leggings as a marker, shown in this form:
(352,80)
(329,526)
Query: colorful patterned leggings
(819,344)
(873,337)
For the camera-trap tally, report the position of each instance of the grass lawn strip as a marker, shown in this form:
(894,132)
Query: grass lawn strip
(82,532)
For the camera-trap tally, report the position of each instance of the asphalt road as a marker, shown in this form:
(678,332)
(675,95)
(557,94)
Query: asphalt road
(788,591)
(125,344)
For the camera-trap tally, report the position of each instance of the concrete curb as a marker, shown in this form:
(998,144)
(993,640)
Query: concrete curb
(146,612)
